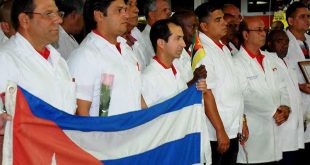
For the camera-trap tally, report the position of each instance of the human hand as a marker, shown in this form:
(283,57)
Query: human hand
(223,141)
(3,118)
(243,137)
(281,114)
(201,85)
(305,88)
(200,73)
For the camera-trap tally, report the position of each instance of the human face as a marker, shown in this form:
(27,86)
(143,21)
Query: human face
(78,24)
(300,20)
(215,26)
(163,10)
(279,44)
(42,29)
(231,27)
(235,12)
(174,47)
(132,11)
(189,27)
(116,21)
(256,33)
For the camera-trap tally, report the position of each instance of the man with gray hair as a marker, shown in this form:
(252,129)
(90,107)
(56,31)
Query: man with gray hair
(154,10)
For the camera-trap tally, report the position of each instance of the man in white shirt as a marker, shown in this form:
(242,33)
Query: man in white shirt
(233,11)
(266,100)
(6,28)
(29,60)
(297,15)
(161,80)
(133,35)
(292,131)
(154,10)
(222,80)
(72,24)
(102,54)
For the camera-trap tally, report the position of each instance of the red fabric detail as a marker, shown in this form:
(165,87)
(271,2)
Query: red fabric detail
(2,97)
(220,45)
(130,39)
(35,140)
(188,52)
(305,52)
(174,71)
(118,47)
(259,57)
(45,53)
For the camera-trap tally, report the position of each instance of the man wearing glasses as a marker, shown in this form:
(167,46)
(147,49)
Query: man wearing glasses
(297,15)
(266,101)
(29,60)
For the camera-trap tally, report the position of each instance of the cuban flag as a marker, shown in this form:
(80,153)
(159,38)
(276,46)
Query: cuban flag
(172,133)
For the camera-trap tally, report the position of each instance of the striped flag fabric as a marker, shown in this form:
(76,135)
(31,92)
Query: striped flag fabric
(172,132)
(198,51)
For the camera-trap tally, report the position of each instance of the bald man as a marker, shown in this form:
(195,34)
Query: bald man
(266,101)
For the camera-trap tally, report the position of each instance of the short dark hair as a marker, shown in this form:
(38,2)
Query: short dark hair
(290,12)
(69,6)
(242,27)
(180,15)
(20,6)
(160,30)
(94,5)
(204,10)
(5,10)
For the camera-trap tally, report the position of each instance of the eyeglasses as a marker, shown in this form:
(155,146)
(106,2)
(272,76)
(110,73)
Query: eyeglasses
(49,15)
(266,30)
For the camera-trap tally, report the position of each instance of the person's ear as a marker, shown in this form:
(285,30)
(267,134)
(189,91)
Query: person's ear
(5,27)
(24,20)
(290,21)
(245,35)
(98,16)
(161,43)
(203,26)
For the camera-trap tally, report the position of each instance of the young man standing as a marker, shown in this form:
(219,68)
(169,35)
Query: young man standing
(297,15)
(102,56)
(223,82)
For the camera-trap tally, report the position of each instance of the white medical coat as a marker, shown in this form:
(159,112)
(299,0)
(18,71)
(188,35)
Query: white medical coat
(263,92)
(95,57)
(294,55)
(139,49)
(146,36)
(3,38)
(292,131)
(66,43)
(223,81)
(49,80)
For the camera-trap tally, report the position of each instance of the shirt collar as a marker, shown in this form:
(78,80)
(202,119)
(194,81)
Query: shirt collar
(164,66)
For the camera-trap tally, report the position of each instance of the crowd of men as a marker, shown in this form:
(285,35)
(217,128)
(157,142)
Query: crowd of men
(257,102)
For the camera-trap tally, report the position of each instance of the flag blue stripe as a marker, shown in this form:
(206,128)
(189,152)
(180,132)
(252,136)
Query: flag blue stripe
(113,123)
(185,151)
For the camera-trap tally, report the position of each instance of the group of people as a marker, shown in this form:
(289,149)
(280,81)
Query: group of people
(257,103)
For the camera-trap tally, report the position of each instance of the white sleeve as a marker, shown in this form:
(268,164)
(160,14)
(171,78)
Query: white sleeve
(149,90)
(84,72)
(211,72)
